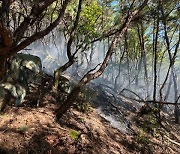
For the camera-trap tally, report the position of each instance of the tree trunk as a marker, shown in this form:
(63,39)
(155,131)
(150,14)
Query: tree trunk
(70,99)
(127,58)
(168,88)
(172,58)
(155,57)
(70,56)
(177,114)
(176,110)
(119,71)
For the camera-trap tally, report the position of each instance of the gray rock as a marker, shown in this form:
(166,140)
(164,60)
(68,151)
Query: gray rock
(18,91)
(25,70)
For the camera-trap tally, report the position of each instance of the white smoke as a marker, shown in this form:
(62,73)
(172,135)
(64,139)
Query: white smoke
(53,55)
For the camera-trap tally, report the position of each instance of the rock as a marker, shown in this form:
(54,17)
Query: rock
(64,84)
(18,91)
(24,70)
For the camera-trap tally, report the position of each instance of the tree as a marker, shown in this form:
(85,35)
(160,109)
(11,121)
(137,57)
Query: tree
(86,26)
(89,75)
(21,23)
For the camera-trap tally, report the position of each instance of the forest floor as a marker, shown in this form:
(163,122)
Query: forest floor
(33,130)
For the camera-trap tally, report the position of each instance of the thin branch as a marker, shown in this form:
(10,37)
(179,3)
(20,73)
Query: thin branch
(70,41)
(110,51)
(42,33)
(130,92)
(31,18)
(149,101)
(94,68)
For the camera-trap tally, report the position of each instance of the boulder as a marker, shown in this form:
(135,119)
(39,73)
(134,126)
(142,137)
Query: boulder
(24,70)
(16,90)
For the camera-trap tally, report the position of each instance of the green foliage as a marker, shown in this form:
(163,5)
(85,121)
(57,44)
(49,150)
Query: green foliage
(95,18)
(3,116)
(143,139)
(23,128)
(81,120)
(89,17)
(83,106)
(74,134)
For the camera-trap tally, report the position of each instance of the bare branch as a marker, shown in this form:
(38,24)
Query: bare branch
(36,11)
(70,41)
(42,33)
(109,53)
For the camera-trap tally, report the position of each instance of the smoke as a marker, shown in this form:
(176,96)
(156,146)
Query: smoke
(118,75)
(124,75)
(51,50)
(114,123)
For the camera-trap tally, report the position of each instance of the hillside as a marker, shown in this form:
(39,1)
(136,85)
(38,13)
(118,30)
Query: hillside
(32,129)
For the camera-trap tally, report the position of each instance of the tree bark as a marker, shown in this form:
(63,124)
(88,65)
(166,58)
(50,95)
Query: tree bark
(155,55)
(119,71)
(5,45)
(172,58)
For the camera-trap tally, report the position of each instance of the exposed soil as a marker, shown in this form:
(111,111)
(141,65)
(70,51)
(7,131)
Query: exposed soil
(34,130)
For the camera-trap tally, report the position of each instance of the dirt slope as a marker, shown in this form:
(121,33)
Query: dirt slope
(34,130)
